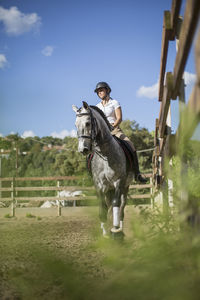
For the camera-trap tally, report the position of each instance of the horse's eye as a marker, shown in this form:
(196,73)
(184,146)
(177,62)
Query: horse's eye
(87,124)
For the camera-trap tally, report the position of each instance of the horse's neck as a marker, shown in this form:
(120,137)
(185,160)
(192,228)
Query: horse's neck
(105,138)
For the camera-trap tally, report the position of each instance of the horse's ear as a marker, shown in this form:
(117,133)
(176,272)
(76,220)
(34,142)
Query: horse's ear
(85,105)
(75,108)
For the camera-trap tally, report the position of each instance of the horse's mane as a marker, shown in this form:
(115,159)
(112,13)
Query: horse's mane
(102,115)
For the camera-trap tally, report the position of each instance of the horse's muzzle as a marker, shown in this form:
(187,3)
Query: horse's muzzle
(84,151)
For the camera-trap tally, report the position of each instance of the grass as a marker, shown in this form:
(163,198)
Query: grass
(66,258)
(29,215)
(7,216)
(158,260)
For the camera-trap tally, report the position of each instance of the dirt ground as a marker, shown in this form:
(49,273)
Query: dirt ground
(39,253)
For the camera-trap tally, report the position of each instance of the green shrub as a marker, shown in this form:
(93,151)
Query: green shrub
(7,216)
(28,215)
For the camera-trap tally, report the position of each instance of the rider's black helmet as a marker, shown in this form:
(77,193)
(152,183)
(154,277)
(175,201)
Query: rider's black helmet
(102,84)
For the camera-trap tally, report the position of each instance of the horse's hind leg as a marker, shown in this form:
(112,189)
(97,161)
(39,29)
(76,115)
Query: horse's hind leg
(118,204)
(121,209)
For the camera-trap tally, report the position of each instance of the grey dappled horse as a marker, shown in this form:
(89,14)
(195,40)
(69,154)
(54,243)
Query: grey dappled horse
(108,165)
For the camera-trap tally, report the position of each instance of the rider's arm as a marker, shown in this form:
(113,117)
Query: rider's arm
(118,114)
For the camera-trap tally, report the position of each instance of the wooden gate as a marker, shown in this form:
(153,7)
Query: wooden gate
(171,87)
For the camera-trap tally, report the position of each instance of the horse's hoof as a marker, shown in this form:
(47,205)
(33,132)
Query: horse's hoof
(117,235)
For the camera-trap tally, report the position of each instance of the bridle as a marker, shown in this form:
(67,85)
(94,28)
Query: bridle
(93,134)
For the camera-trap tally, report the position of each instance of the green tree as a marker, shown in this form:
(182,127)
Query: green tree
(33,160)
(5,144)
(142,140)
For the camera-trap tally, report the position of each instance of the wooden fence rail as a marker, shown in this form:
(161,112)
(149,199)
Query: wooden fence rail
(14,189)
(50,178)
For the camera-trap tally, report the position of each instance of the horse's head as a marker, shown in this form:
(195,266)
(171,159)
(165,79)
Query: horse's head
(85,130)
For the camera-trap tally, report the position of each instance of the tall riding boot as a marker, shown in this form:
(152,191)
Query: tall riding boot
(138,176)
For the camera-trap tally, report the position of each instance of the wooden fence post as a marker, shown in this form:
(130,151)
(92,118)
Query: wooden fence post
(169,181)
(83,184)
(58,194)
(0,180)
(170,189)
(13,198)
(151,192)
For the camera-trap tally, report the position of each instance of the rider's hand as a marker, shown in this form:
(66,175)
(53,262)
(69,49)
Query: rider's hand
(112,127)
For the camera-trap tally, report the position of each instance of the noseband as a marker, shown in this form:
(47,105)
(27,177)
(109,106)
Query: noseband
(92,136)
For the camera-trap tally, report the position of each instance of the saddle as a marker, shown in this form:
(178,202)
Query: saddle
(128,151)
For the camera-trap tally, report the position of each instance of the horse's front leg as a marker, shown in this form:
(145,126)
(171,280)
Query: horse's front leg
(103,212)
(116,203)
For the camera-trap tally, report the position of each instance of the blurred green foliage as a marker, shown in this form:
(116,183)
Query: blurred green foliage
(184,171)
(156,261)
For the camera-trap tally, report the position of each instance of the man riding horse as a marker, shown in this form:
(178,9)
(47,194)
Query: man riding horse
(113,113)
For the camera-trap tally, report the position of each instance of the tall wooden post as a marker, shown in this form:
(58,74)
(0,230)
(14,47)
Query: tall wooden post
(181,102)
(59,206)
(13,198)
(169,181)
(151,192)
(0,180)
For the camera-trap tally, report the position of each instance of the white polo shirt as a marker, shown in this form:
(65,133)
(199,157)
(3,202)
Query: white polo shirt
(109,109)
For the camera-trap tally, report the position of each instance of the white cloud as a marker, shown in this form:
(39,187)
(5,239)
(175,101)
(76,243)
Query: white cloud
(151,92)
(3,61)
(48,50)
(189,78)
(28,133)
(64,133)
(15,22)
(1,135)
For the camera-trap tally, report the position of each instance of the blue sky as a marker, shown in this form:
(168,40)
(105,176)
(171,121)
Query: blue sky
(52,54)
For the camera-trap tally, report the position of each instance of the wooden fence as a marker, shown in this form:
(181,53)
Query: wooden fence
(14,190)
(171,86)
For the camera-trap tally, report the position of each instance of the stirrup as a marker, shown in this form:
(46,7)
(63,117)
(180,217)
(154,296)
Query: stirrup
(140,178)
